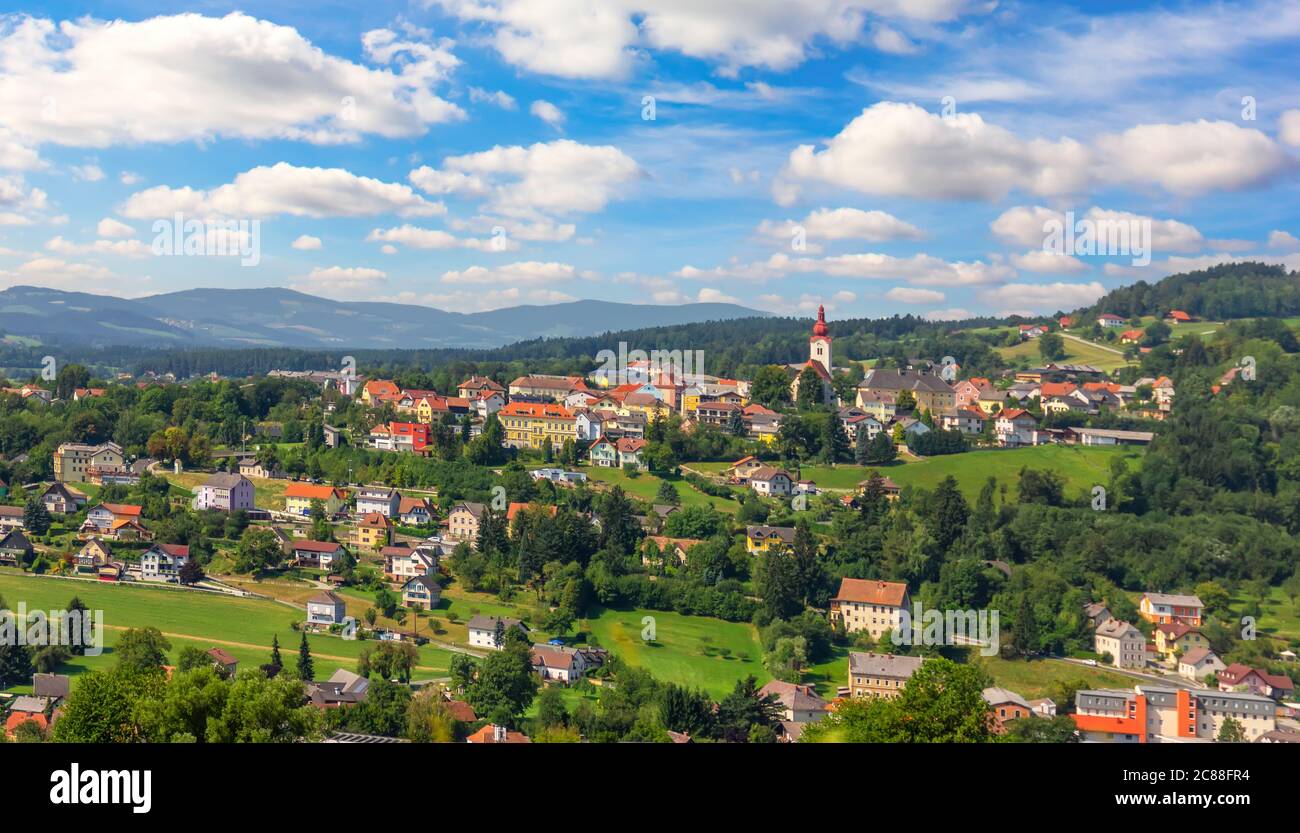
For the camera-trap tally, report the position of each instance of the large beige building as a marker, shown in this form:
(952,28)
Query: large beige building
(880,675)
(1125,644)
(869,605)
(73,460)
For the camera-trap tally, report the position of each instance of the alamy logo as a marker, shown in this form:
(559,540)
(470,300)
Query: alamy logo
(109,786)
(82,629)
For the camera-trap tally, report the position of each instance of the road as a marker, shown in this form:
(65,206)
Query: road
(1154,679)
(1093,344)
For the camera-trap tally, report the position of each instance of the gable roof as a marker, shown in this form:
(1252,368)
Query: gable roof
(326,597)
(312,491)
(871,591)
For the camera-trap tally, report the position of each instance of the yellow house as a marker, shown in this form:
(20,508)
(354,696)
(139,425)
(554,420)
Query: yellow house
(761,539)
(1175,638)
(376,389)
(72,461)
(298,498)
(530,424)
(373,531)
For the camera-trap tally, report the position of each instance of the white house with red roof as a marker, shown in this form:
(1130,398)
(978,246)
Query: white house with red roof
(1016,426)
(163,562)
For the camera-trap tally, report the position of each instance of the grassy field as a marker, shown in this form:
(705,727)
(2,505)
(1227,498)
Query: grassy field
(1082,468)
(1278,617)
(1076,352)
(693,651)
(242,626)
(645,485)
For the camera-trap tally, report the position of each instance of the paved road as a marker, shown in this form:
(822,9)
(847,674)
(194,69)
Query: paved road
(1155,679)
(1093,344)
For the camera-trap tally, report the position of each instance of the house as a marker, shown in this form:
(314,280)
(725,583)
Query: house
(1240,677)
(105,518)
(1066,322)
(969,421)
(399,436)
(565,664)
(1043,707)
(631,453)
(545,388)
(891,489)
(1125,644)
(1007,706)
(771,482)
(1160,608)
(298,498)
(73,460)
(224,661)
(1132,336)
(869,605)
(421,593)
(880,675)
(93,554)
(492,733)
(672,551)
(252,467)
(163,562)
(740,470)
(1096,613)
(1107,319)
(11,518)
(414,511)
(342,688)
(483,630)
(1152,713)
(760,538)
(1014,427)
(374,391)
(402,562)
(463,521)
(53,686)
(603,453)
(1178,316)
(1174,639)
(373,531)
(17,718)
(318,554)
(326,608)
(15,549)
(379,499)
(62,499)
(799,703)
(1199,663)
(477,385)
(224,492)
(1028,331)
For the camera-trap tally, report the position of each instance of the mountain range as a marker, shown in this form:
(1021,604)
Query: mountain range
(276,317)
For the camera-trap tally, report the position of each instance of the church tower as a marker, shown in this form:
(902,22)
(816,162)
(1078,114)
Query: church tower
(819,343)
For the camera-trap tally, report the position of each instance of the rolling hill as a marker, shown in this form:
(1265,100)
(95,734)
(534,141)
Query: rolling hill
(275,317)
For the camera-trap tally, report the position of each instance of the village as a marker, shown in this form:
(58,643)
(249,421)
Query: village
(577,435)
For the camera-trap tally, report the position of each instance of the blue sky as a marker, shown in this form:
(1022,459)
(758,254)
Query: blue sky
(879,157)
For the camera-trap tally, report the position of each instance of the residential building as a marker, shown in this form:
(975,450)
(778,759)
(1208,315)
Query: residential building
(880,675)
(1007,706)
(1241,677)
(1015,427)
(11,517)
(225,493)
(402,562)
(317,554)
(252,467)
(414,511)
(163,562)
(1154,714)
(381,499)
(492,733)
(225,662)
(760,538)
(869,605)
(476,385)
(399,436)
(1199,663)
(799,703)
(62,499)
(106,518)
(771,482)
(375,391)
(968,420)
(564,664)
(1110,320)
(421,593)
(72,461)
(545,388)
(15,548)
(373,531)
(342,688)
(604,454)
(531,424)
(1160,608)
(298,498)
(1173,639)
(326,608)
(930,392)
(93,554)
(631,453)
(463,521)
(483,629)
(1124,643)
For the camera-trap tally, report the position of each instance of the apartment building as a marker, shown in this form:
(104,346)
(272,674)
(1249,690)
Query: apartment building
(869,605)
(1154,714)
(73,461)
(880,675)
(530,424)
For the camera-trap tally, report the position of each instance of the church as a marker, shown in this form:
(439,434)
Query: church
(819,360)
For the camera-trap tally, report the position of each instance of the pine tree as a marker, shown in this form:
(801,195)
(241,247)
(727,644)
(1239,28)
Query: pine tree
(862,446)
(275,651)
(305,669)
(36,518)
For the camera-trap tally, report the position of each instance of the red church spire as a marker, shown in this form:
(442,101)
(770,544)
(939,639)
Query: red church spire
(820,328)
